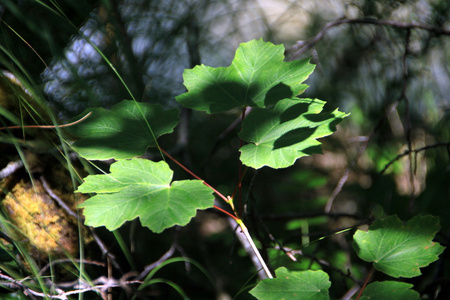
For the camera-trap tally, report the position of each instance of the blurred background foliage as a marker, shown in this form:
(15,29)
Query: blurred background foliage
(393,78)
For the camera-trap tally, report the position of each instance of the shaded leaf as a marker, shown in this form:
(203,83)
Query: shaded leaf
(390,290)
(293,285)
(278,136)
(122,132)
(257,77)
(398,249)
(142,188)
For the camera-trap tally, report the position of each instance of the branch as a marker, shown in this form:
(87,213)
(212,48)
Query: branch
(409,151)
(48,126)
(101,284)
(302,46)
(163,258)
(249,246)
(292,216)
(11,168)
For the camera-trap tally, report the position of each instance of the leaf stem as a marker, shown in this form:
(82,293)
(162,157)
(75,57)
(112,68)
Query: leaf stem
(228,200)
(227,213)
(193,175)
(369,276)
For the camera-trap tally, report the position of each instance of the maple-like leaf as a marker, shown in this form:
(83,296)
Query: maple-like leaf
(293,285)
(144,189)
(398,249)
(124,131)
(279,135)
(389,290)
(257,77)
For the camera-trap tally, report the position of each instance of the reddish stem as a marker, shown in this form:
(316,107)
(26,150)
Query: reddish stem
(369,276)
(48,126)
(225,212)
(193,175)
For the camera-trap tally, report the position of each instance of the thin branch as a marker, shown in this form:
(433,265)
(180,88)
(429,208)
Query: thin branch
(55,197)
(291,216)
(67,260)
(408,126)
(409,151)
(292,252)
(303,46)
(249,246)
(338,189)
(49,126)
(163,258)
(368,278)
(101,285)
(223,135)
(11,168)
(64,206)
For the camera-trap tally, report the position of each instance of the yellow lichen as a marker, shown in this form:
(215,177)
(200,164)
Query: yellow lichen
(45,226)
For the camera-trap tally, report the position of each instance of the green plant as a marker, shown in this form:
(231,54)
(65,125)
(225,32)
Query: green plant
(389,158)
(277,128)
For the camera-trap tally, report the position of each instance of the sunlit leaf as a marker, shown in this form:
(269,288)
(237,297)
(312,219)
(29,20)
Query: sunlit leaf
(293,285)
(398,249)
(124,131)
(389,290)
(144,189)
(257,77)
(278,136)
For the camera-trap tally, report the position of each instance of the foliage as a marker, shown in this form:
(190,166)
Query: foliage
(279,134)
(122,131)
(287,131)
(151,165)
(142,188)
(399,250)
(389,290)
(294,285)
(257,77)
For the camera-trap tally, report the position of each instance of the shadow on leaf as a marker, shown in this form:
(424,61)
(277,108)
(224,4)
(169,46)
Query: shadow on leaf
(294,112)
(277,93)
(293,137)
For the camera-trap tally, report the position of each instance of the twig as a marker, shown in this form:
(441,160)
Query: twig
(249,247)
(163,258)
(57,199)
(289,216)
(291,252)
(338,188)
(249,241)
(302,46)
(408,127)
(64,260)
(11,168)
(409,151)
(369,276)
(78,217)
(48,126)
(101,284)
(223,135)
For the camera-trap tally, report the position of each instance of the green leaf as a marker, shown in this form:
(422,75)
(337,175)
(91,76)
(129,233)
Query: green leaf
(257,77)
(279,135)
(142,188)
(122,132)
(293,285)
(397,249)
(390,290)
